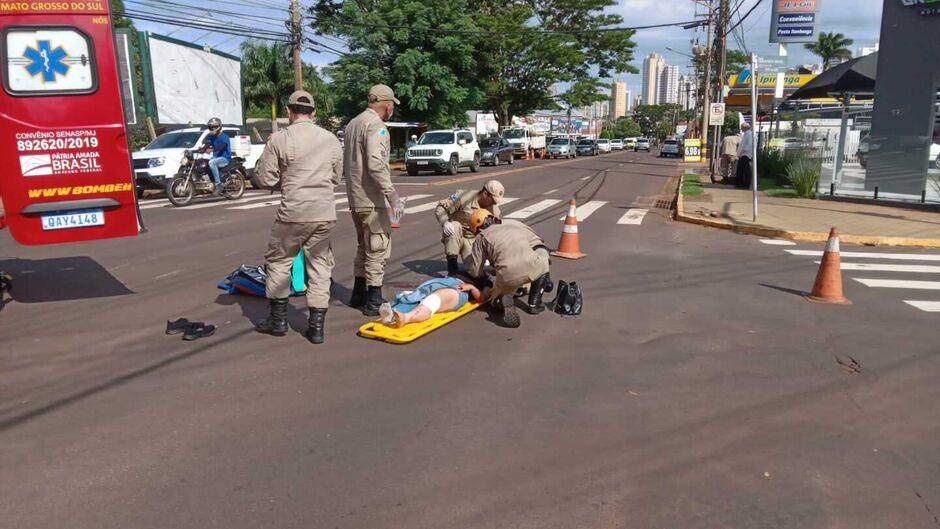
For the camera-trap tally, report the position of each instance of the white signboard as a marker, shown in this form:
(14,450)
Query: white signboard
(716,114)
(191,85)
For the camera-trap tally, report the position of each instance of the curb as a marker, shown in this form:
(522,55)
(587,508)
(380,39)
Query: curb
(806,236)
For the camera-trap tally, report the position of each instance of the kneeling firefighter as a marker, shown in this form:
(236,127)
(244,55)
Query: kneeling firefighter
(453,214)
(519,257)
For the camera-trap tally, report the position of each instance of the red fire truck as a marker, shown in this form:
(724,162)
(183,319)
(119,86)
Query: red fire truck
(65,171)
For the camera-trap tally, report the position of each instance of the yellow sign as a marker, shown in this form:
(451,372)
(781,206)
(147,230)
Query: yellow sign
(693,150)
(769,80)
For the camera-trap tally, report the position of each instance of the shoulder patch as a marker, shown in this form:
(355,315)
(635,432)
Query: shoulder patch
(454,197)
(382,132)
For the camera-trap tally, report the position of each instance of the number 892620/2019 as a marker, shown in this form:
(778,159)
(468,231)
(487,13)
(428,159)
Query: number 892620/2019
(56,144)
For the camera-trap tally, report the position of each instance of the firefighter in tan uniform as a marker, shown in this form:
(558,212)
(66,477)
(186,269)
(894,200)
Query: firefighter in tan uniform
(519,258)
(368,187)
(306,163)
(454,212)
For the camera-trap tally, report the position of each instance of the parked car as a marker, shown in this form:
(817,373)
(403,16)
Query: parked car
(671,147)
(162,159)
(863,150)
(603,145)
(444,151)
(642,144)
(791,144)
(629,143)
(616,145)
(587,148)
(561,148)
(495,151)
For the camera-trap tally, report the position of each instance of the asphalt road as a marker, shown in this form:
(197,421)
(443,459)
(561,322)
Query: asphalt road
(697,390)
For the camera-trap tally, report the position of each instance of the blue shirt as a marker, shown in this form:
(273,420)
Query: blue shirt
(221,146)
(408,301)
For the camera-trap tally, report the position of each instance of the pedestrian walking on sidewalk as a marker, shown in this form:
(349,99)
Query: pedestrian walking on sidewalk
(745,152)
(305,162)
(368,186)
(729,156)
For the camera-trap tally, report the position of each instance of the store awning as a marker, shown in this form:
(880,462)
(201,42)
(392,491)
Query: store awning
(855,77)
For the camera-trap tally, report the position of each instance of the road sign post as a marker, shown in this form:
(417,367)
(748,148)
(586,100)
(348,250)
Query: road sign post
(755,131)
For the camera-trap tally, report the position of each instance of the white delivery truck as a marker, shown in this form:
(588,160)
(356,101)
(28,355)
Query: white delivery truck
(526,140)
(162,158)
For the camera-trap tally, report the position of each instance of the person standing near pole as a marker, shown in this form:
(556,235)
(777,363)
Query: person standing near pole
(306,163)
(745,152)
(368,187)
(729,155)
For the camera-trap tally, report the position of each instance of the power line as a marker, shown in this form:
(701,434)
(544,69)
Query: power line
(742,19)
(246,32)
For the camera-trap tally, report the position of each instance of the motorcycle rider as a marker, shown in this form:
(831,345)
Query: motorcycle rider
(221,147)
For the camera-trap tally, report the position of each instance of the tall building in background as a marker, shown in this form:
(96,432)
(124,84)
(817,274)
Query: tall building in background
(687,93)
(637,101)
(629,97)
(668,85)
(652,69)
(618,99)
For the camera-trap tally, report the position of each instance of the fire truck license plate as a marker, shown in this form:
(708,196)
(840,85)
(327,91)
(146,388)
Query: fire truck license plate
(73,219)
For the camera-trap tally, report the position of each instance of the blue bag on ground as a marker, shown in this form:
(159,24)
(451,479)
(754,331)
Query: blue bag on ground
(251,280)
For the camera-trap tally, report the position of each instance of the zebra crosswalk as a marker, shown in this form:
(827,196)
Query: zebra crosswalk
(523,209)
(917,279)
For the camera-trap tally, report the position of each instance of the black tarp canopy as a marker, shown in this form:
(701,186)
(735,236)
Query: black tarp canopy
(855,77)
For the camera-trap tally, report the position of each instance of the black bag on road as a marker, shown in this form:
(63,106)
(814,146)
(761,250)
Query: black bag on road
(569,301)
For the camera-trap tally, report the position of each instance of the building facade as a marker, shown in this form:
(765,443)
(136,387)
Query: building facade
(668,85)
(618,99)
(652,70)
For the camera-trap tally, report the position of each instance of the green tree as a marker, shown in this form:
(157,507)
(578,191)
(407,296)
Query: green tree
(830,47)
(732,124)
(408,45)
(624,127)
(267,78)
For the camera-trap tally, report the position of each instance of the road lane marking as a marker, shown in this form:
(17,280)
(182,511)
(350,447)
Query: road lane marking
(246,198)
(871,267)
(633,217)
(900,283)
(498,173)
(777,242)
(586,178)
(528,211)
(586,210)
(550,192)
(409,198)
(926,306)
(871,255)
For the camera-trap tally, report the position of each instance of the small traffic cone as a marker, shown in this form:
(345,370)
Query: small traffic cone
(568,246)
(828,285)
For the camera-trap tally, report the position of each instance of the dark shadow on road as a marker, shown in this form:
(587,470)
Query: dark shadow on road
(61,279)
(427,267)
(786,290)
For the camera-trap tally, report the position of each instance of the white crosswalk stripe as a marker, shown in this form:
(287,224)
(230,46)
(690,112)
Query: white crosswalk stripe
(528,211)
(900,283)
(871,267)
(248,197)
(871,255)
(926,306)
(409,198)
(778,242)
(633,217)
(585,211)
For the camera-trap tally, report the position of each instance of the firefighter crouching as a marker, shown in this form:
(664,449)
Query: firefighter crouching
(453,214)
(519,258)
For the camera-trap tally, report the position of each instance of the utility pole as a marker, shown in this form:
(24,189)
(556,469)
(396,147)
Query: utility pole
(296,32)
(706,101)
(724,16)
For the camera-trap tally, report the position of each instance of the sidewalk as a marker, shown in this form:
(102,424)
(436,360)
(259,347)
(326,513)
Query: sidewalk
(808,220)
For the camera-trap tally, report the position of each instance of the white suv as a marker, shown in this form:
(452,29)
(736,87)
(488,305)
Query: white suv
(603,145)
(444,151)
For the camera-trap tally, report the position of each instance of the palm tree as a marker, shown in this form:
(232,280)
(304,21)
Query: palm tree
(266,76)
(831,46)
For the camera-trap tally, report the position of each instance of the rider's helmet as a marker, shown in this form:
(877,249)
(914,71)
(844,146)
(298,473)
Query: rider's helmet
(478,219)
(214,123)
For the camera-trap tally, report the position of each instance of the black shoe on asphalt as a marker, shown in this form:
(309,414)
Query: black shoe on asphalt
(276,322)
(197,330)
(358,298)
(315,326)
(510,316)
(453,266)
(177,327)
(373,301)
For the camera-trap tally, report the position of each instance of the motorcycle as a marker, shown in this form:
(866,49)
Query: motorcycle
(195,179)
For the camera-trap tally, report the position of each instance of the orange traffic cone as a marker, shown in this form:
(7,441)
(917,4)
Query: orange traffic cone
(568,246)
(828,286)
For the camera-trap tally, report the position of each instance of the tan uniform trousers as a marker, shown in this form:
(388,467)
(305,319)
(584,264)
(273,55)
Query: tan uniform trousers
(375,245)
(287,239)
(513,280)
(458,243)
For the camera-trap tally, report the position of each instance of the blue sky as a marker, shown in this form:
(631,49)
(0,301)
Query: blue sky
(858,19)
